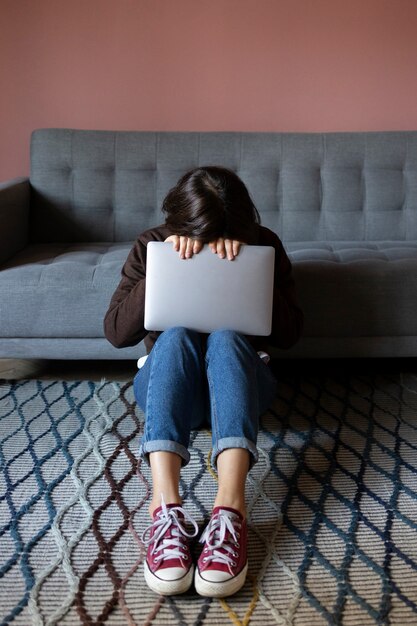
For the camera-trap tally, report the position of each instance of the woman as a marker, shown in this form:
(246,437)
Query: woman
(189,379)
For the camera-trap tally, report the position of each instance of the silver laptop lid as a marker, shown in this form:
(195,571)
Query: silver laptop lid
(206,293)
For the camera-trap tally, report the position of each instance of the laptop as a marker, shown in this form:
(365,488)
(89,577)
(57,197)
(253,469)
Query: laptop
(207,293)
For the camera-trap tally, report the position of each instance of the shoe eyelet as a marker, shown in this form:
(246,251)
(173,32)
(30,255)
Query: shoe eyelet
(233,564)
(205,551)
(155,560)
(185,557)
(237,545)
(204,559)
(238,535)
(235,554)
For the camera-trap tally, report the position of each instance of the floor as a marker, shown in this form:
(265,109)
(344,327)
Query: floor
(18,369)
(334,510)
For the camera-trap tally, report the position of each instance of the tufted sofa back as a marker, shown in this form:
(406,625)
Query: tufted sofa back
(109,186)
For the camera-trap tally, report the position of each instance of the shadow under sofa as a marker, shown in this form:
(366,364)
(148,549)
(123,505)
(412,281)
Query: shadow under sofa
(344,205)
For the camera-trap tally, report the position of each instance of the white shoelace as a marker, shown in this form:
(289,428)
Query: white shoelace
(169,547)
(215,538)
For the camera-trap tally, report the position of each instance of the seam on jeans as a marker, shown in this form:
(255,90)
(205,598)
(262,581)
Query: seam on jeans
(212,399)
(147,430)
(146,447)
(245,444)
(253,451)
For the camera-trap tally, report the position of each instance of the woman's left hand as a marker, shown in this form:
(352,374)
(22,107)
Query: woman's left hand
(225,247)
(185,245)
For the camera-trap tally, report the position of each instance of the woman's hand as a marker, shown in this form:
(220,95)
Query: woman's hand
(185,245)
(225,247)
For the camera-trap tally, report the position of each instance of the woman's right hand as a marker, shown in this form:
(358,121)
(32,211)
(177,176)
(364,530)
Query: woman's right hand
(185,245)
(225,247)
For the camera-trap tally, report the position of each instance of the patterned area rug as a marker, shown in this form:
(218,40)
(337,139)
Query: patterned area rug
(332,507)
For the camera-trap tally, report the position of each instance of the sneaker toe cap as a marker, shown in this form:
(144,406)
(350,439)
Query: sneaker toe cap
(215,576)
(171,573)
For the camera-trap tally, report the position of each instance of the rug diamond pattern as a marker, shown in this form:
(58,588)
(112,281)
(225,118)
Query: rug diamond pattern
(332,506)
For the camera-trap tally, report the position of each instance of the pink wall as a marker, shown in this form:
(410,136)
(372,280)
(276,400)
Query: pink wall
(285,65)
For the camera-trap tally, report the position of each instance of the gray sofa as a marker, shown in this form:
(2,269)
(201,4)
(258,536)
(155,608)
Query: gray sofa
(344,204)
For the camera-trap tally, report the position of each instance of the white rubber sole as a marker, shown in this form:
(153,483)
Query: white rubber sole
(219,590)
(168,587)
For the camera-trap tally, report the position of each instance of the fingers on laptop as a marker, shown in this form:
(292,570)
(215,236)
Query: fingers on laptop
(185,245)
(175,241)
(190,247)
(225,247)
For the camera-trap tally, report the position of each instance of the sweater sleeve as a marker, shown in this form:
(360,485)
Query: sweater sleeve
(124,320)
(287,317)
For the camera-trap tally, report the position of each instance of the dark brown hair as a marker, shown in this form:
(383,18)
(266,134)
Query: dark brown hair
(211,202)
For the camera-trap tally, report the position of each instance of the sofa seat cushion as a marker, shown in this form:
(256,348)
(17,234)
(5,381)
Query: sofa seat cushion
(346,289)
(356,289)
(351,251)
(60,290)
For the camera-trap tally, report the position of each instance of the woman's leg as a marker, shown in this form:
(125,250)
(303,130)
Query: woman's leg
(232,469)
(241,389)
(170,390)
(165,468)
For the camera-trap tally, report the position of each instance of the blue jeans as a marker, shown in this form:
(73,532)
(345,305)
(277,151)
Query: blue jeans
(190,380)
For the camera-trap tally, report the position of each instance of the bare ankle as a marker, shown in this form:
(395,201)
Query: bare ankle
(156,503)
(231,502)
(165,467)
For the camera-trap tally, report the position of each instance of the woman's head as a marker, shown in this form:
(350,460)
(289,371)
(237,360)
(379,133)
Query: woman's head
(208,203)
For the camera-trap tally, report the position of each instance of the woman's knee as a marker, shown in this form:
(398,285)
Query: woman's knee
(227,340)
(178,335)
(177,341)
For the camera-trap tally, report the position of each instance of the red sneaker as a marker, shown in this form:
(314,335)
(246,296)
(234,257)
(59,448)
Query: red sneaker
(223,565)
(168,567)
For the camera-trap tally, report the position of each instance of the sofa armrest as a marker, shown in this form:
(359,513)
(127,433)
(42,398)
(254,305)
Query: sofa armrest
(14,216)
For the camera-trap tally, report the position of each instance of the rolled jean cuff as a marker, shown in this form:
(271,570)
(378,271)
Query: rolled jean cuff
(164,445)
(234,442)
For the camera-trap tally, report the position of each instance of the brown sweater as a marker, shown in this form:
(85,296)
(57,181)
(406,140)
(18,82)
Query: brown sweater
(123,323)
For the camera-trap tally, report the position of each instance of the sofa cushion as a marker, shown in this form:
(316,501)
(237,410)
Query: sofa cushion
(60,290)
(350,251)
(356,289)
(346,289)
